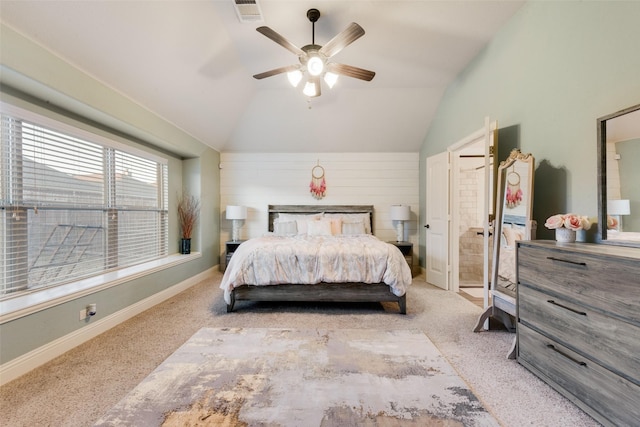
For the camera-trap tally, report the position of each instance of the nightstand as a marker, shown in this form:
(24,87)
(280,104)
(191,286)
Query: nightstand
(229,248)
(407,250)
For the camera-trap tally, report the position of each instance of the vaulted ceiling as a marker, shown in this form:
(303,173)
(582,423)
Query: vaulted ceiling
(192,62)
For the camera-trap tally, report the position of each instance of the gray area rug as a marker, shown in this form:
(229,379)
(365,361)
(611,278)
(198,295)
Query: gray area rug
(308,377)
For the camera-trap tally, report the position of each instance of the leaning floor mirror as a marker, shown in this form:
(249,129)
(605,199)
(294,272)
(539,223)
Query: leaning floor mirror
(514,209)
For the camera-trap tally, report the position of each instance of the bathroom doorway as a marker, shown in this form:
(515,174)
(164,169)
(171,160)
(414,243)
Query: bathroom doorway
(472,208)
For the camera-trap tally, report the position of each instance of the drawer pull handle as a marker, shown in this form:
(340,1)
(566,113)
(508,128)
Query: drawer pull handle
(581,313)
(567,261)
(552,347)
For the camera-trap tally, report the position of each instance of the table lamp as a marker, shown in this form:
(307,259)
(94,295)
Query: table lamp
(236,214)
(400,213)
(618,208)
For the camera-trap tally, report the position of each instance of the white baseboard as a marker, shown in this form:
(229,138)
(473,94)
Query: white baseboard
(41,355)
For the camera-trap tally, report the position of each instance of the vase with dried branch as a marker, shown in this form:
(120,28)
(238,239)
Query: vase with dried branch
(188,213)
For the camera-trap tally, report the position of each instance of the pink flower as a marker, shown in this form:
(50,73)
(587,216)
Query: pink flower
(555,221)
(572,222)
(612,223)
(586,224)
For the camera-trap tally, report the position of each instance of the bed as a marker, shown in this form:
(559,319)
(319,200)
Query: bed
(317,253)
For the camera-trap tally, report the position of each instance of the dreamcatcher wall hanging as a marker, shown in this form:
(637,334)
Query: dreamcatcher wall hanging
(318,185)
(514,192)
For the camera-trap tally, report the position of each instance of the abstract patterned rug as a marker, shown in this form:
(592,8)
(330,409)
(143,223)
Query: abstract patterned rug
(285,377)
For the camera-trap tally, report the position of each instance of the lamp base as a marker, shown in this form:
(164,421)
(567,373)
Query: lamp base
(235,232)
(400,231)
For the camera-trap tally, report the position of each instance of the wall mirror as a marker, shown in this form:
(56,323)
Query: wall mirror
(619,177)
(513,222)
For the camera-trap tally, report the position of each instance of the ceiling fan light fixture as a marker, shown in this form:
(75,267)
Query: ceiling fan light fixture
(314,59)
(294,77)
(309,89)
(330,79)
(315,66)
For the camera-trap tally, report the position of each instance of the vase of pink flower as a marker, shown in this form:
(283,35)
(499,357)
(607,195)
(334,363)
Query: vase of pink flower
(566,226)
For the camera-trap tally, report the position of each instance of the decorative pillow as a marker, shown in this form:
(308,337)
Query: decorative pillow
(285,228)
(319,228)
(347,217)
(350,228)
(336,226)
(512,234)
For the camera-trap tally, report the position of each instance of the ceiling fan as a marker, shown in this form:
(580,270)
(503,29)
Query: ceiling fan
(314,59)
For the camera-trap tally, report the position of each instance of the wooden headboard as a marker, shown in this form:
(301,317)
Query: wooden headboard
(274,210)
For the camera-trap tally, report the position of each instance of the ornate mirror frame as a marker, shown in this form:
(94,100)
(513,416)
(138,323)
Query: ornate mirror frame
(622,239)
(514,210)
(514,206)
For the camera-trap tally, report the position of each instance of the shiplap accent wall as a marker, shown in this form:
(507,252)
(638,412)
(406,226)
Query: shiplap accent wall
(257,180)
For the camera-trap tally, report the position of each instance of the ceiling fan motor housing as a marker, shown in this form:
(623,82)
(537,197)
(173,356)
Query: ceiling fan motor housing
(313,15)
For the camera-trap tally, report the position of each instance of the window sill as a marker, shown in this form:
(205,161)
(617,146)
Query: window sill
(32,302)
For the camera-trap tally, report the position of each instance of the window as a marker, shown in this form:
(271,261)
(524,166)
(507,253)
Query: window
(73,204)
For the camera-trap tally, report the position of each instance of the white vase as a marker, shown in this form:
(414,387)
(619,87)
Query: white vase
(565,235)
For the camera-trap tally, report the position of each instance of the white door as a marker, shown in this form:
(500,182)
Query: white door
(437,220)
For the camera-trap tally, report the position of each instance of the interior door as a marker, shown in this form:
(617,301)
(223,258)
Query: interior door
(437,220)
(490,136)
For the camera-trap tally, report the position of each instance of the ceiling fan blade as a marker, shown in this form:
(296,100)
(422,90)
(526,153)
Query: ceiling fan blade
(268,32)
(275,71)
(350,71)
(352,33)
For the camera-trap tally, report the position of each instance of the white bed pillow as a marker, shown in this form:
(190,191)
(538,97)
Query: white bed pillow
(285,228)
(350,228)
(319,228)
(295,217)
(299,219)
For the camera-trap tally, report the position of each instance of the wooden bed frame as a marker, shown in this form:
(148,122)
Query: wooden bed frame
(321,292)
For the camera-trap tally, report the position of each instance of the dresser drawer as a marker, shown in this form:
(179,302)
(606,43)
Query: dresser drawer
(579,328)
(607,284)
(609,397)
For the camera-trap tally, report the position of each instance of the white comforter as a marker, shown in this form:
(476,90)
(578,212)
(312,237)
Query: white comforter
(271,260)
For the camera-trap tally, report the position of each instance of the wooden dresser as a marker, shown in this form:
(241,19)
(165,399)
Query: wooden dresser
(578,329)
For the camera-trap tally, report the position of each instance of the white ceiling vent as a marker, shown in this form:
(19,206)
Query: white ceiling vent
(248,11)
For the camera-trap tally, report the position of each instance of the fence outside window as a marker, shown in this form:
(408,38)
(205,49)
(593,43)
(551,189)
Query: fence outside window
(74,206)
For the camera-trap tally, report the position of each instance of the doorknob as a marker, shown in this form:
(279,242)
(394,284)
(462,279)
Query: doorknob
(426,226)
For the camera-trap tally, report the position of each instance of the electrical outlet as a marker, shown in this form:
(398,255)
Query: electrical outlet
(83,314)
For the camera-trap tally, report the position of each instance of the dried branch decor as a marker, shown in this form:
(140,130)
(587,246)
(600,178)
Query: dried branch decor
(188,213)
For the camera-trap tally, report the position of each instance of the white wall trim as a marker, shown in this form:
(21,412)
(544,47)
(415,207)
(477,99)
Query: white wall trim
(26,303)
(41,355)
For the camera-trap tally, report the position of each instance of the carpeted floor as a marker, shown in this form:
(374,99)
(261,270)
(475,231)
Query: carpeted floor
(77,388)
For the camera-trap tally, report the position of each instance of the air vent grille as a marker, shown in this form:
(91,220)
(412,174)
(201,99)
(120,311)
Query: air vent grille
(248,11)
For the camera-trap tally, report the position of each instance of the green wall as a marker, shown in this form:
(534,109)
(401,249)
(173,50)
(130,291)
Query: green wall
(34,78)
(546,77)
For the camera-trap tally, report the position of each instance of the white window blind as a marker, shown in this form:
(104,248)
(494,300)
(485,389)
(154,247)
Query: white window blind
(73,207)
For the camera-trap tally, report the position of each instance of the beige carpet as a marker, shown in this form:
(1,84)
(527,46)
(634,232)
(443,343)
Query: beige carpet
(79,387)
(302,377)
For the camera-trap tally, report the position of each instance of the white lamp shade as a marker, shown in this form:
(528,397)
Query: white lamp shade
(330,79)
(618,207)
(294,77)
(236,212)
(315,66)
(309,89)
(400,213)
